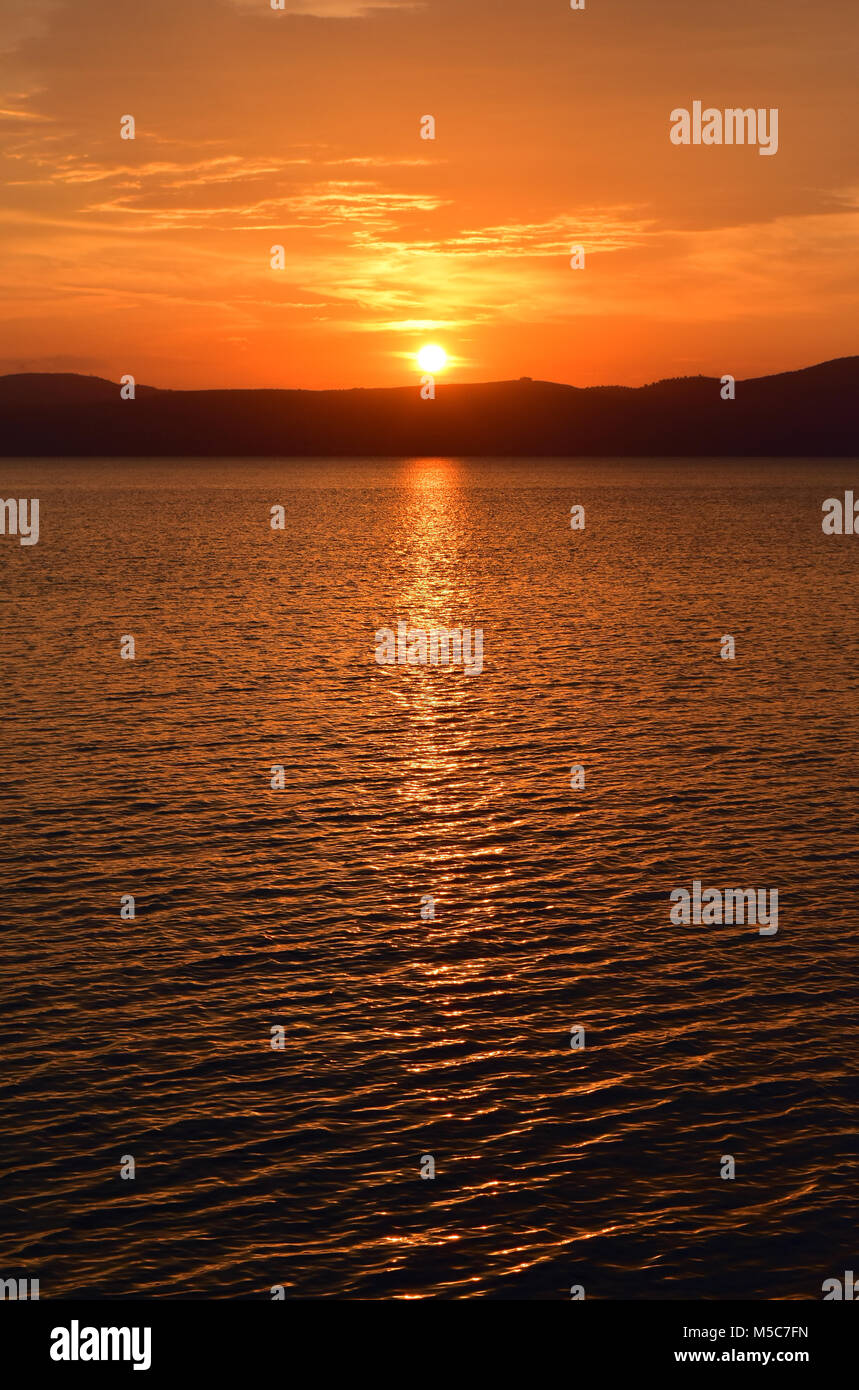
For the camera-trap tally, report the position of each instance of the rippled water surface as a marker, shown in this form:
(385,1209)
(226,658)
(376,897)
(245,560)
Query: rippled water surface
(301,907)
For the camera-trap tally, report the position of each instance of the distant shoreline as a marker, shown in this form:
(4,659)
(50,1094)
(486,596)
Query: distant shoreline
(813,412)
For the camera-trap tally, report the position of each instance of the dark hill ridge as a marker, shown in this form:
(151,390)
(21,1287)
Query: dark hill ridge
(812,412)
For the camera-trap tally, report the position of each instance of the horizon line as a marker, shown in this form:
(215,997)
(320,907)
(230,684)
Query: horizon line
(506,381)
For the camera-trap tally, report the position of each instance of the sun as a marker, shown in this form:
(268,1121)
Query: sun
(432,358)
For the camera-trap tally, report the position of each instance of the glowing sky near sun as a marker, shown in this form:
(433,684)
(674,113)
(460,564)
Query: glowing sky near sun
(255,128)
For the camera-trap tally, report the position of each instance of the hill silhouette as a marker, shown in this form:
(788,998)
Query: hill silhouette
(812,412)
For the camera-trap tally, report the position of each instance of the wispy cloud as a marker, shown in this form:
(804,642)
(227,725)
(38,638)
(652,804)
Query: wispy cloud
(331,9)
(615,229)
(8,114)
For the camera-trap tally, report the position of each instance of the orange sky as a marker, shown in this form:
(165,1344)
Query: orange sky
(257,128)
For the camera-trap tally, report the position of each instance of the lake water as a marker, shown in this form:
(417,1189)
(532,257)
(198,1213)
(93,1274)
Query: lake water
(300,907)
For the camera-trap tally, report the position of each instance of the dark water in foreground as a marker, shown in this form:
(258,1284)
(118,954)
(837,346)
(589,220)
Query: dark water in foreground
(301,907)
